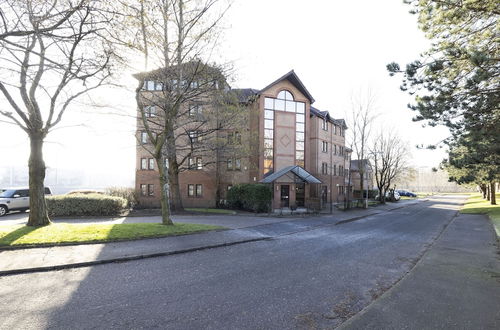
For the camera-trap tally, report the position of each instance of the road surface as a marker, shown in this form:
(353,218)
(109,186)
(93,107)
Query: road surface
(312,279)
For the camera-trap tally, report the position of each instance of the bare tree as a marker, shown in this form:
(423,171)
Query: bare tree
(205,111)
(389,156)
(175,35)
(361,118)
(52,53)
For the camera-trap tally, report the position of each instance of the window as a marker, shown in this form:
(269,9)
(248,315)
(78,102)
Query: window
(195,190)
(144,137)
(324,168)
(324,146)
(194,136)
(335,149)
(285,95)
(195,163)
(144,190)
(151,189)
(190,190)
(150,111)
(335,129)
(144,164)
(149,85)
(151,164)
(237,164)
(230,164)
(324,125)
(335,170)
(237,137)
(195,110)
(234,137)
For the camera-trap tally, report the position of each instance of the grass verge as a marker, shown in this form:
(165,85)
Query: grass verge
(63,233)
(477,205)
(207,210)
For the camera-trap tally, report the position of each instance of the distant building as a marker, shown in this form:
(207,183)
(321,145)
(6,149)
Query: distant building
(356,165)
(296,148)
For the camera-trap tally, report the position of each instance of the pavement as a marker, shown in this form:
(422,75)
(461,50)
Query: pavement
(456,285)
(244,229)
(314,277)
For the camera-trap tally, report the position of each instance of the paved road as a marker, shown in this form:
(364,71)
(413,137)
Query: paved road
(311,279)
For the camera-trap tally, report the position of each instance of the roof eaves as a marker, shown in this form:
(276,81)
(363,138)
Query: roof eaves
(297,82)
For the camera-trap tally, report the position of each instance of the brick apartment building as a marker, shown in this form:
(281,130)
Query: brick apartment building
(283,141)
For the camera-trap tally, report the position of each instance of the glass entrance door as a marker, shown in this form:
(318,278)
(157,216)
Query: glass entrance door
(285,195)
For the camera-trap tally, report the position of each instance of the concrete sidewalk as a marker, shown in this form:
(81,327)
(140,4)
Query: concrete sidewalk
(61,257)
(456,285)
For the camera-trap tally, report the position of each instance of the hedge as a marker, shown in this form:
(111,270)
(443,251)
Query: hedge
(250,197)
(85,205)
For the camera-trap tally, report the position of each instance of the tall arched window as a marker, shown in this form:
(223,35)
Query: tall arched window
(283,102)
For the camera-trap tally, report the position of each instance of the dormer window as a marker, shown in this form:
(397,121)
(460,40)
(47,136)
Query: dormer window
(324,125)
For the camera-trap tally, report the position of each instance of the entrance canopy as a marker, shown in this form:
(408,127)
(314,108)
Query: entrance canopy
(295,170)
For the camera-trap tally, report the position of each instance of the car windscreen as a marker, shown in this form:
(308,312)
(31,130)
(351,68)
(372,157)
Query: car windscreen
(7,193)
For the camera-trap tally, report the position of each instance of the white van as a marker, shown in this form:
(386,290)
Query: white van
(12,199)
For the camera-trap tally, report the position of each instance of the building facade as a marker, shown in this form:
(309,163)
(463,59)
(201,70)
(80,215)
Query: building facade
(282,141)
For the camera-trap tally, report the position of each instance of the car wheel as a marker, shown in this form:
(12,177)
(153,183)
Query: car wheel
(3,210)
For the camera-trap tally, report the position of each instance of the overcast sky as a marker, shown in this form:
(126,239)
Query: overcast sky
(337,48)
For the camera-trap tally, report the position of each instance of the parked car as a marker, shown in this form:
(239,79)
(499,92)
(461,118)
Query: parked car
(397,197)
(406,193)
(16,199)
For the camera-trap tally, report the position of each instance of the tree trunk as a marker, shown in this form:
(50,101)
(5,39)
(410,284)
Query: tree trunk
(38,215)
(488,192)
(493,197)
(361,184)
(175,194)
(173,170)
(483,190)
(164,187)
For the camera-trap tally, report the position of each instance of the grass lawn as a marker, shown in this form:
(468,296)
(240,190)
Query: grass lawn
(207,210)
(58,233)
(477,205)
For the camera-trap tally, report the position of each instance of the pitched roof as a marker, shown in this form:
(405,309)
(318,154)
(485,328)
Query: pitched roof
(326,115)
(356,163)
(295,170)
(245,94)
(294,79)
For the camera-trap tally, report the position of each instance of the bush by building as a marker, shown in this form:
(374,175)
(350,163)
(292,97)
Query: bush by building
(250,197)
(124,192)
(85,205)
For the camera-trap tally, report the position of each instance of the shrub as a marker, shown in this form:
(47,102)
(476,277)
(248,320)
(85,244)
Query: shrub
(250,197)
(85,205)
(84,192)
(124,192)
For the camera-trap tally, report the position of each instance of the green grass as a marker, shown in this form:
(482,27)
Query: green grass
(477,205)
(61,233)
(207,210)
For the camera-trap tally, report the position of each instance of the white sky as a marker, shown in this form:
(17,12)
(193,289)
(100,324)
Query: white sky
(336,48)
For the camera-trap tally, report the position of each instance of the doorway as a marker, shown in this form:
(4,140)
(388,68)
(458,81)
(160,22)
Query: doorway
(285,195)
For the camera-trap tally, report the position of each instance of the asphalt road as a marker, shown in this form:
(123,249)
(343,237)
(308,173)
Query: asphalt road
(310,279)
